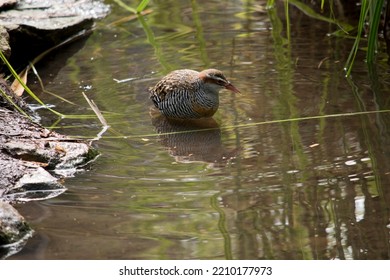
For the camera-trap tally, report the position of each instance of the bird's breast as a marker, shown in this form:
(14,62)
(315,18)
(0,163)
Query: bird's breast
(205,105)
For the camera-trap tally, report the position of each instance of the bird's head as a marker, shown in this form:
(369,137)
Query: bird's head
(215,80)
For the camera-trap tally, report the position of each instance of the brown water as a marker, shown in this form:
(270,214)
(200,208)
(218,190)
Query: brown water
(252,186)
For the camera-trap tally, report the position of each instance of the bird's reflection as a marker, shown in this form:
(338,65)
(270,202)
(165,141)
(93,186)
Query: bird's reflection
(192,140)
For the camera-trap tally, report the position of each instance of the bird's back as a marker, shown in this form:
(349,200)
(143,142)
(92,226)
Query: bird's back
(176,81)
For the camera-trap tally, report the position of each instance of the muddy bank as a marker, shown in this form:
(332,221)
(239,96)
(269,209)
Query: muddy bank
(33,159)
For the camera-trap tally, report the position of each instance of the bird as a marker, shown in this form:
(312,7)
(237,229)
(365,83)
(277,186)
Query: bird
(189,94)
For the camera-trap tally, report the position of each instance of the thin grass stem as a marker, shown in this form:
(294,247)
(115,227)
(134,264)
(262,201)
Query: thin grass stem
(375,17)
(27,89)
(352,55)
(14,104)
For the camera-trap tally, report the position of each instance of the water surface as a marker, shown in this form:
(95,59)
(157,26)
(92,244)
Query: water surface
(269,178)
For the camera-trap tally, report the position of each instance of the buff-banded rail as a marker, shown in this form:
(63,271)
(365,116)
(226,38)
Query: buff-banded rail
(189,94)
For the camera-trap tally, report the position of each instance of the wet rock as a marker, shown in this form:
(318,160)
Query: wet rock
(26,181)
(33,158)
(4,42)
(52,14)
(23,139)
(7,4)
(44,23)
(8,99)
(22,180)
(14,231)
(12,224)
(28,151)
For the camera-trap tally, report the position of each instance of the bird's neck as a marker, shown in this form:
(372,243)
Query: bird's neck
(208,97)
(211,89)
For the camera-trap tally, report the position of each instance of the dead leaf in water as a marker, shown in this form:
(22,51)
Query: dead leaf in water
(16,86)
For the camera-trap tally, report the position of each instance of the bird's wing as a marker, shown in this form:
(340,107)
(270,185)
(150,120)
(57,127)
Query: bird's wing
(175,82)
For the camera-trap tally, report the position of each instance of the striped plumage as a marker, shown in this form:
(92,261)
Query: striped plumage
(188,94)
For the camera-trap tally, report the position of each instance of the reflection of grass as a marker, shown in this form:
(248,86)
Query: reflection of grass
(284,67)
(156,42)
(222,226)
(21,85)
(152,41)
(366,134)
(369,22)
(294,230)
(148,31)
(199,34)
(311,13)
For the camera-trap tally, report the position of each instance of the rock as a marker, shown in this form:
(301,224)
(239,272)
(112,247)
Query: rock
(14,231)
(28,151)
(5,102)
(4,42)
(44,23)
(23,139)
(12,224)
(26,181)
(52,14)
(7,4)
(33,158)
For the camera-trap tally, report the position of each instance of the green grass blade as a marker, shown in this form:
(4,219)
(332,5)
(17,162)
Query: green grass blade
(352,55)
(142,6)
(287,17)
(311,13)
(9,99)
(375,17)
(16,76)
(270,4)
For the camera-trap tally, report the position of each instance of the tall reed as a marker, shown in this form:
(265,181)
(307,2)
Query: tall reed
(370,16)
(367,31)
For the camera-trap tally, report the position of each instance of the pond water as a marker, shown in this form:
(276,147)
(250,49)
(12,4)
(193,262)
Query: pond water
(295,167)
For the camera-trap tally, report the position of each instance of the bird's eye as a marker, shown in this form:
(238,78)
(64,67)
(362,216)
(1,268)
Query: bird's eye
(221,82)
(219,79)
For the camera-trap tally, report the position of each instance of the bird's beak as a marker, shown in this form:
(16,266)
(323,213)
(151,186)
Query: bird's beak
(229,86)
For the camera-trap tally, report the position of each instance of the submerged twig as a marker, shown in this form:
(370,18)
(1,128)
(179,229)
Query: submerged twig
(43,87)
(322,61)
(100,117)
